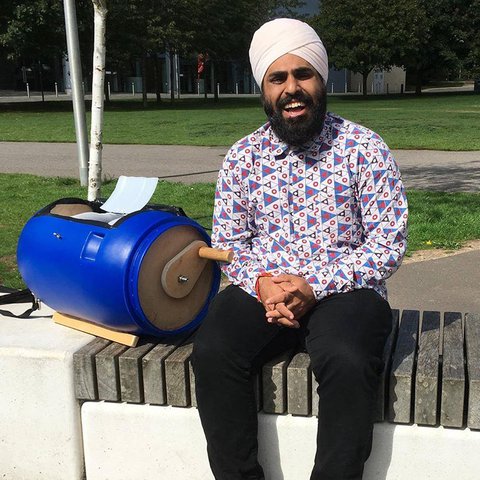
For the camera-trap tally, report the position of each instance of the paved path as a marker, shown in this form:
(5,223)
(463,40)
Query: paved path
(444,171)
(444,284)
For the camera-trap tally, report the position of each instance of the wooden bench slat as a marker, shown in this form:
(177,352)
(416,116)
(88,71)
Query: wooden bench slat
(314,394)
(472,340)
(177,375)
(274,384)
(382,395)
(453,372)
(402,372)
(153,368)
(85,372)
(191,376)
(299,379)
(131,375)
(428,365)
(108,376)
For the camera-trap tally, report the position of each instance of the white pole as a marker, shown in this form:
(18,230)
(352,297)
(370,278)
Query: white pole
(109,91)
(198,87)
(236,88)
(78,100)
(133,88)
(218,89)
(332,87)
(98,96)
(28,90)
(56,89)
(345,87)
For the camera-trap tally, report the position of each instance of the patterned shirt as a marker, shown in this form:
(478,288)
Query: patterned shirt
(333,211)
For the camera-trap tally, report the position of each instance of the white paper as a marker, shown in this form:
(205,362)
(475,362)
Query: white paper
(106,217)
(131,194)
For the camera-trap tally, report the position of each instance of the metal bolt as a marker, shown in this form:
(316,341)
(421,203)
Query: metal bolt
(182,279)
(57,235)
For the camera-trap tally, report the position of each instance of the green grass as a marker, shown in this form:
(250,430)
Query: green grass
(437,220)
(442,220)
(432,121)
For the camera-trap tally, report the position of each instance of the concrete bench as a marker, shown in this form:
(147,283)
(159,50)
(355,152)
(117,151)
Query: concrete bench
(72,405)
(431,379)
(40,426)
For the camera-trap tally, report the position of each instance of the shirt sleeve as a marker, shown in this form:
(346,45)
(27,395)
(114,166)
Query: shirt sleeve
(384,213)
(234,226)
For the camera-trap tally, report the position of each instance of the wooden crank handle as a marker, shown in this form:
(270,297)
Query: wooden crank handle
(215,254)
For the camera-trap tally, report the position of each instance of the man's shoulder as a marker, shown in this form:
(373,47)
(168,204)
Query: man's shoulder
(253,141)
(343,126)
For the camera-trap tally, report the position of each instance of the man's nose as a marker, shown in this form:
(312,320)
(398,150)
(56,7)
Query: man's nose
(291,85)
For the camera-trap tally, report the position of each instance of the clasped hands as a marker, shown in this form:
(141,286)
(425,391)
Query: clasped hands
(286,299)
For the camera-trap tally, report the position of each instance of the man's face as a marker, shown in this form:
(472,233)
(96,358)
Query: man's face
(294,99)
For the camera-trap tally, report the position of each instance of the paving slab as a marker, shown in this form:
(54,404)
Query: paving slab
(448,284)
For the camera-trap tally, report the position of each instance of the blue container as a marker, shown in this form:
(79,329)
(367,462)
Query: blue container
(110,274)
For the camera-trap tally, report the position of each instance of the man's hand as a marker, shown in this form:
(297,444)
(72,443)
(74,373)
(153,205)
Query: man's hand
(286,299)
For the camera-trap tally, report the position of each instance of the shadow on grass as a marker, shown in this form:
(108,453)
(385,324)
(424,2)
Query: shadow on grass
(136,104)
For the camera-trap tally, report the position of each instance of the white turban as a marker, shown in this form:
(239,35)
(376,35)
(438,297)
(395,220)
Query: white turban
(286,35)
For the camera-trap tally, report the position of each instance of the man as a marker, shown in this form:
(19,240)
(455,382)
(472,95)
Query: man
(315,212)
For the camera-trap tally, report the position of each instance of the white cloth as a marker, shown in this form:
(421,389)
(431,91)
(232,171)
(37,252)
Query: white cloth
(286,35)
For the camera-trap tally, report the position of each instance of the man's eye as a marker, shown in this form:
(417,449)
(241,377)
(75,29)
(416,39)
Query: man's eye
(304,75)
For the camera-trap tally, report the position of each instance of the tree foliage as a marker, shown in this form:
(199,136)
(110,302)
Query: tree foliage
(32,29)
(438,39)
(472,39)
(361,35)
(427,37)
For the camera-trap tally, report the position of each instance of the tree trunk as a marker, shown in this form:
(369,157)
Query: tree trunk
(98,83)
(144,80)
(418,82)
(214,83)
(172,74)
(205,79)
(158,80)
(40,77)
(364,83)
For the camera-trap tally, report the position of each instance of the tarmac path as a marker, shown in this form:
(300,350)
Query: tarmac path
(421,169)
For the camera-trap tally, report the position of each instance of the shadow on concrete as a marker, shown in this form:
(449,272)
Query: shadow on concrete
(455,178)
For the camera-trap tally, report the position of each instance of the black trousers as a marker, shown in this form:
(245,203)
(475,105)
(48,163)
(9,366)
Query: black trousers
(344,335)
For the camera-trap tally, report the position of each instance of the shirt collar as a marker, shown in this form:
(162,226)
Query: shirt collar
(310,149)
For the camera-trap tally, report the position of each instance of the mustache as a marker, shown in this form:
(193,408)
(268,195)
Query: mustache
(299,97)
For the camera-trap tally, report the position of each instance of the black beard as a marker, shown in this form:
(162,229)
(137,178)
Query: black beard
(297,131)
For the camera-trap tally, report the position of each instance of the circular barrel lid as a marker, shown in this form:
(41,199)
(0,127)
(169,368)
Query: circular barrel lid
(169,306)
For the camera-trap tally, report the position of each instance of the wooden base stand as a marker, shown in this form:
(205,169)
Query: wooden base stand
(84,326)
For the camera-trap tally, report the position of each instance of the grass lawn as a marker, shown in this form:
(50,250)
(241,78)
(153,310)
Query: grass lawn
(432,121)
(442,220)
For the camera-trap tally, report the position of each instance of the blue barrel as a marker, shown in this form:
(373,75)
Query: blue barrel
(78,264)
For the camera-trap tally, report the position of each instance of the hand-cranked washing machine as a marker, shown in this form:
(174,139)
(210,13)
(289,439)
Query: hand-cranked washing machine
(140,273)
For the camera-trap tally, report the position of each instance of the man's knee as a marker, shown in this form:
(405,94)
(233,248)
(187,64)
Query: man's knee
(344,364)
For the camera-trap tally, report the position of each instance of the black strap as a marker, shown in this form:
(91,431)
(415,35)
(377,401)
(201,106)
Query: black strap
(19,296)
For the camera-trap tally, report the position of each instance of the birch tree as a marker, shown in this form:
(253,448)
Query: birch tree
(98,82)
